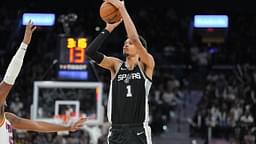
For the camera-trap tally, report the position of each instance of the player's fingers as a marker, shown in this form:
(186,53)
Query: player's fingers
(30,23)
(27,26)
(80,123)
(34,28)
(76,128)
(82,120)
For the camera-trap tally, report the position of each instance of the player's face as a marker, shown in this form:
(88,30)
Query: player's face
(129,48)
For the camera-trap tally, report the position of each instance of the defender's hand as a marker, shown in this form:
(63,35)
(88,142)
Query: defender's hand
(77,125)
(28,32)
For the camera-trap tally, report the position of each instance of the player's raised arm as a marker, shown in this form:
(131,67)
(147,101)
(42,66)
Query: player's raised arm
(133,35)
(15,64)
(101,59)
(38,126)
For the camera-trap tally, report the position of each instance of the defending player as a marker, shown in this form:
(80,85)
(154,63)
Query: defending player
(9,120)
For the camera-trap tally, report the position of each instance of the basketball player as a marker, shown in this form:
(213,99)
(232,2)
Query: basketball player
(128,109)
(9,120)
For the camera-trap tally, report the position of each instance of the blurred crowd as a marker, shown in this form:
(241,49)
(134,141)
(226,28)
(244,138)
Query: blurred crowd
(228,106)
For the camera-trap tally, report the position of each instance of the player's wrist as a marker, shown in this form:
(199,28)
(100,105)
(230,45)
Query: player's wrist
(69,128)
(121,7)
(23,45)
(25,41)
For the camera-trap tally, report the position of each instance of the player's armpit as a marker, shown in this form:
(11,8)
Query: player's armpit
(148,71)
(148,63)
(12,118)
(4,91)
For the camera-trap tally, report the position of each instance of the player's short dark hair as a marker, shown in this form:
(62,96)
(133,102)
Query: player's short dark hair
(143,41)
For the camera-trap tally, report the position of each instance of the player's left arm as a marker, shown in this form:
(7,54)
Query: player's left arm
(145,57)
(15,64)
(39,126)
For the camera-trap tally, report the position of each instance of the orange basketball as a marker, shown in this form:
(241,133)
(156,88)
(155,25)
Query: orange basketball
(109,13)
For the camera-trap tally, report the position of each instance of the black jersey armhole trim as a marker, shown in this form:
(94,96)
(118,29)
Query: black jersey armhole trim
(147,77)
(120,65)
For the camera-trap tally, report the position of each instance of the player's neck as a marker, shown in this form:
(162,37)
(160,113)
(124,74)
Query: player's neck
(131,61)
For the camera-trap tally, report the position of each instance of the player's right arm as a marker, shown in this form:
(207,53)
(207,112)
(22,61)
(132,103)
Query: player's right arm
(110,63)
(15,64)
(40,126)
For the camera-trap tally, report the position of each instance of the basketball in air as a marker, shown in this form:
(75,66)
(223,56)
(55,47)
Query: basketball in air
(109,13)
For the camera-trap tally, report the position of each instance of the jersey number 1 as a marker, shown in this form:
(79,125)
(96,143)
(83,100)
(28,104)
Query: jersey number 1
(129,91)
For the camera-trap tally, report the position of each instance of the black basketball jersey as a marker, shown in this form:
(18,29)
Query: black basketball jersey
(128,96)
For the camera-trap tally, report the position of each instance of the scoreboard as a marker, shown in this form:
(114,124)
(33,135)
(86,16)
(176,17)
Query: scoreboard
(76,50)
(73,63)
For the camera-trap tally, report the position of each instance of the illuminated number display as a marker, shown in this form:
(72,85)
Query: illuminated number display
(76,50)
(72,58)
(72,53)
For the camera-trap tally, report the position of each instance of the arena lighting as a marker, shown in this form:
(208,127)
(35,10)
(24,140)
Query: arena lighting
(213,50)
(211,21)
(39,19)
(73,75)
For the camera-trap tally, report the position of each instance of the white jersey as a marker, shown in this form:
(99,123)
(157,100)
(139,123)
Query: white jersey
(6,135)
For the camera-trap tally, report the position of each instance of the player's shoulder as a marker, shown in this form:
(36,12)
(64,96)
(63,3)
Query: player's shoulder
(9,116)
(8,113)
